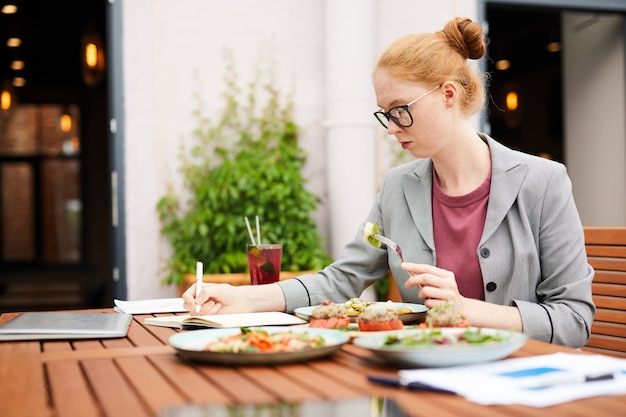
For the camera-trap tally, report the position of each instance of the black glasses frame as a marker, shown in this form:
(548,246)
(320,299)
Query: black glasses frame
(385,116)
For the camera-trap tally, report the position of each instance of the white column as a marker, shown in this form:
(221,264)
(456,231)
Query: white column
(350,125)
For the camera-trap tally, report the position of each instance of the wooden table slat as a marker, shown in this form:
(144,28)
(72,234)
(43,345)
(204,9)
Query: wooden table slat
(105,353)
(328,387)
(90,344)
(159,332)
(114,394)
(189,380)
(139,336)
(117,343)
(7,317)
(286,387)
(56,346)
(237,385)
(23,392)
(71,395)
(347,376)
(149,383)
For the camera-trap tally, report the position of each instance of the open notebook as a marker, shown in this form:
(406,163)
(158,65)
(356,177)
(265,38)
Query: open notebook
(269,318)
(41,325)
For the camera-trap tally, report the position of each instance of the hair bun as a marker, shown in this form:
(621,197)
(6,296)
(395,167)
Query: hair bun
(465,37)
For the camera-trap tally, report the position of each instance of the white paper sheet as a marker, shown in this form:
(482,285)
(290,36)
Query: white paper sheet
(157,305)
(511,381)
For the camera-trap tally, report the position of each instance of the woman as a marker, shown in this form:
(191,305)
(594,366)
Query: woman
(493,231)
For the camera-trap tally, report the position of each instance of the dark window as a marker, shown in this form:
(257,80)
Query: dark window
(40,185)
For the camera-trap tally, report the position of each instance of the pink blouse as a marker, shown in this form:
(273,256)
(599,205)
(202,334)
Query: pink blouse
(458,224)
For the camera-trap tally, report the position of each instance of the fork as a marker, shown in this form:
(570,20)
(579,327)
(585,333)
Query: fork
(390,243)
(393,245)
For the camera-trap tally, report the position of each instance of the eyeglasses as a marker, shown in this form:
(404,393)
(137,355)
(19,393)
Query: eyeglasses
(400,115)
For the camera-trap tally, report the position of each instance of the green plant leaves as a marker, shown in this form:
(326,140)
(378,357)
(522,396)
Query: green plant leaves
(247,163)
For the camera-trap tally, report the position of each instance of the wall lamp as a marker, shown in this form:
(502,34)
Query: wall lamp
(92,57)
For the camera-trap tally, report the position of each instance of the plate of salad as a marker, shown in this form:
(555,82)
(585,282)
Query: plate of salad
(258,345)
(441,347)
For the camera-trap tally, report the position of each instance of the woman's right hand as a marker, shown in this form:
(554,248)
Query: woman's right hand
(228,299)
(213,299)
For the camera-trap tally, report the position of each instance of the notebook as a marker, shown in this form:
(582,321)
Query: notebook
(42,325)
(269,318)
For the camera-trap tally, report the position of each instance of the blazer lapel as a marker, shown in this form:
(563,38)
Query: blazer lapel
(507,175)
(417,189)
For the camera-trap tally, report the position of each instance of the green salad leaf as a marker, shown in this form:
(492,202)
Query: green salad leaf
(437,337)
(369,231)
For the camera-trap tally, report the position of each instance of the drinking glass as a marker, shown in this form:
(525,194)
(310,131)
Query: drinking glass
(264,262)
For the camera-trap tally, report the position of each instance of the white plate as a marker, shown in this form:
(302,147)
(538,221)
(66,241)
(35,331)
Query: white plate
(190,345)
(443,355)
(418,312)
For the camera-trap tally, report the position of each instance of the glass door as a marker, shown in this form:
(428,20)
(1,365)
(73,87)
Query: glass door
(40,186)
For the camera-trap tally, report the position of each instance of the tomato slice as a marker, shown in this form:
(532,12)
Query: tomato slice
(381,326)
(330,323)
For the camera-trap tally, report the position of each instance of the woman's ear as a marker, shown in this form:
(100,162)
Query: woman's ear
(450,92)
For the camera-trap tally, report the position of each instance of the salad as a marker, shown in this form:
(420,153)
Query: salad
(261,341)
(435,337)
(355,306)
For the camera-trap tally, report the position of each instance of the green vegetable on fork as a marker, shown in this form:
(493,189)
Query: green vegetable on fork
(370,230)
(371,233)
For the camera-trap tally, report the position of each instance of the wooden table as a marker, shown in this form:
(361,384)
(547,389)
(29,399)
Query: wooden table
(140,375)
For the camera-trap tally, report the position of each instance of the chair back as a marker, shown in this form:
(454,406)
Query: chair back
(606,251)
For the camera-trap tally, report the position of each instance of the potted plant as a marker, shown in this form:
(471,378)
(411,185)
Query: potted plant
(246,163)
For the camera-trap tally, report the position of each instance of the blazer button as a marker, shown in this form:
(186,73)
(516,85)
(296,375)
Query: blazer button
(484,252)
(491,286)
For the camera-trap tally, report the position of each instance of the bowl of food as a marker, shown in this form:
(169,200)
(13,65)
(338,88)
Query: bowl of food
(440,347)
(257,345)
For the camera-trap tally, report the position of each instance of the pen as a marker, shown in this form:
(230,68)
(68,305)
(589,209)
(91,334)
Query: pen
(198,283)
(412,385)
(568,378)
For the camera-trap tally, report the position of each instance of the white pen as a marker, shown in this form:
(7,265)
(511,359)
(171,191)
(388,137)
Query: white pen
(198,283)
(565,378)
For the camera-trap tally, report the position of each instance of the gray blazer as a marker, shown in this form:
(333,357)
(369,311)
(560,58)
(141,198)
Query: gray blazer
(532,251)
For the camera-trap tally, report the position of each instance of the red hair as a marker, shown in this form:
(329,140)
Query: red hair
(432,58)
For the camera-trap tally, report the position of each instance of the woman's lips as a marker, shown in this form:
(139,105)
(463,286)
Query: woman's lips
(405,145)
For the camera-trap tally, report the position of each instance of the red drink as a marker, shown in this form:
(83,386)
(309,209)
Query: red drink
(264,263)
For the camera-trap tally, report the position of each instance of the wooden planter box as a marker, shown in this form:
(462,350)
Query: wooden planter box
(233,279)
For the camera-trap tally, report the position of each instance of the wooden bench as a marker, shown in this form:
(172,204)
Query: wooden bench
(606,251)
